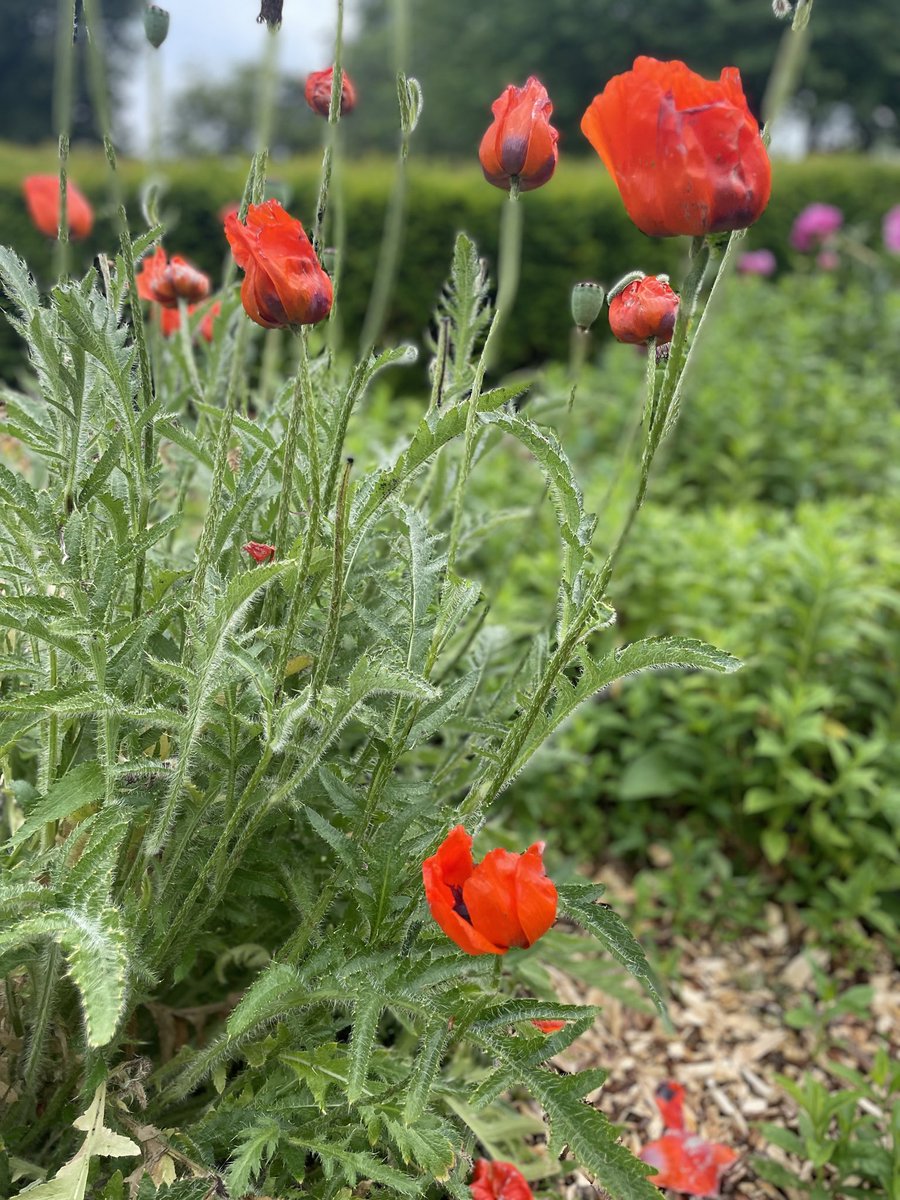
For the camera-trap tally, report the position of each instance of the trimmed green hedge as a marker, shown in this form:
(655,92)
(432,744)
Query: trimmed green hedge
(575,228)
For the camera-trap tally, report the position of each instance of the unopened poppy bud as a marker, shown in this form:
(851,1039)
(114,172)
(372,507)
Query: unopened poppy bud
(270,12)
(782,8)
(156,25)
(318,92)
(645,309)
(587,304)
(181,281)
(259,551)
(521,143)
(409,97)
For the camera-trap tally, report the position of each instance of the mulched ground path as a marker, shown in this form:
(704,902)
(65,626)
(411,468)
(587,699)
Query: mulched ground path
(730,1041)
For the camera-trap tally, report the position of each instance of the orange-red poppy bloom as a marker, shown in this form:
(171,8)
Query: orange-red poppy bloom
(685,1162)
(505,900)
(284,283)
(521,143)
(549,1027)
(318,92)
(498,1181)
(685,152)
(259,551)
(166,281)
(42,200)
(645,309)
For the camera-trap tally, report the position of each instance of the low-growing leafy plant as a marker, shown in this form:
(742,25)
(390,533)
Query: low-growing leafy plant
(846,1142)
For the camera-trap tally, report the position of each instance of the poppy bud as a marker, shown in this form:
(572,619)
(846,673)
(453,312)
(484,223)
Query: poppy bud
(284,283)
(181,281)
(270,12)
(156,25)
(486,908)
(587,304)
(498,1181)
(318,92)
(646,308)
(259,551)
(521,143)
(42,200)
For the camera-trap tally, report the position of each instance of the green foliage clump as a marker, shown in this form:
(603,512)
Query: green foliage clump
(772,531)
(221,779)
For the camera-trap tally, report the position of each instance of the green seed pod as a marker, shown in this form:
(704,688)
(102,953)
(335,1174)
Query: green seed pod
(587,304)
(156,24)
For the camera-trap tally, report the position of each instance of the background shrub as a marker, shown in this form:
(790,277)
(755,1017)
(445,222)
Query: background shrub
(578,220)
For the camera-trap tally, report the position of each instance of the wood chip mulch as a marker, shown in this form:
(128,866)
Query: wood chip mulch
(730,1041)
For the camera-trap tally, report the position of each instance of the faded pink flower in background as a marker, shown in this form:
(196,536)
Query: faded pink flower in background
(757,262)
(816,223)
(891,229)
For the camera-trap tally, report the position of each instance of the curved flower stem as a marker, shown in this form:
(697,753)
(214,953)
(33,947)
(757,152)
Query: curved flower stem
(62,119)
(302,595)
(664,409)
(187,349)
(334,116)
(510,252)
(388,256)
(220,466)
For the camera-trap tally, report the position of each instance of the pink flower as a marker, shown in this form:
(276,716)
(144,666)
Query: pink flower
(814,225)
(891,229)
(757,262)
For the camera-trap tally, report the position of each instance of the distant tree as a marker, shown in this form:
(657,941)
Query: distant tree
(464,54)
(27,53)
(217,117)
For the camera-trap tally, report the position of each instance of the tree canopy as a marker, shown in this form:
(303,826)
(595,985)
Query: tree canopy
(464,59)
(28,37)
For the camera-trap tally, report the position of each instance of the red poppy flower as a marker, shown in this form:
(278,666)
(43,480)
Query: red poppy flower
(167,281)
(42,200)
(505,900)
(498,1181)
(549,1027)
(685,1162)
(318,92)
(645,309)
(521,142)
(259,551)
(284,283)
(685,152)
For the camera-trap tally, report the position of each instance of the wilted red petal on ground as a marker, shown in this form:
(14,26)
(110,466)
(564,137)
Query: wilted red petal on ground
(685,1162)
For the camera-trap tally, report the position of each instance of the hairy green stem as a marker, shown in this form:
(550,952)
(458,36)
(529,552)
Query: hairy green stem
(334,117)
(63,88)
(510,253)
(329,639)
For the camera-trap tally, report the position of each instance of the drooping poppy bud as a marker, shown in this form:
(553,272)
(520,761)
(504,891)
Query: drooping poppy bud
(646,308)
(685,152)
(318,92)
(166,281)
(42,200)
(815,225)
(685,1162)
(259,551)
(521,143)
(498,1181)
(505,900)
(284,283)
(549,1027)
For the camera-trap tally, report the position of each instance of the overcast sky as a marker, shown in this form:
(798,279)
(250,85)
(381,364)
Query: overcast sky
(207,38)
